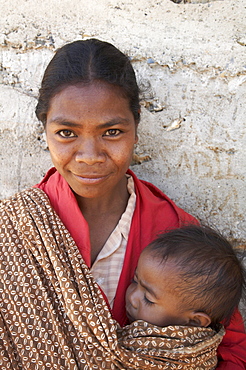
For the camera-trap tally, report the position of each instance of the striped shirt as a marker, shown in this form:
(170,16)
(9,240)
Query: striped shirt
(107,267)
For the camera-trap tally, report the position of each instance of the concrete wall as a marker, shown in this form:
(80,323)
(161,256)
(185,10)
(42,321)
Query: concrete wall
(191,66)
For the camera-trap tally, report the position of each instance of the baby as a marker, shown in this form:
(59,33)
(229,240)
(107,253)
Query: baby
(189,276)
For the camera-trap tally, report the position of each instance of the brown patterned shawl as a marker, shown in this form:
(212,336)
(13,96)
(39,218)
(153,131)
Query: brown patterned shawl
(53,315)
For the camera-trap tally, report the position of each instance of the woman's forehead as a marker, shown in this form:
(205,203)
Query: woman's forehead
(99,98)
(87,89)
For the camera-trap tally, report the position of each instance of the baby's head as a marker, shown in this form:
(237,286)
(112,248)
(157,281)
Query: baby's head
(188,276)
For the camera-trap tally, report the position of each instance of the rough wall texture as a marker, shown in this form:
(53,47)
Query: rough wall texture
(190,61)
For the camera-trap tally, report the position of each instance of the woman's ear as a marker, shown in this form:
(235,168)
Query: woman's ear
(199,319)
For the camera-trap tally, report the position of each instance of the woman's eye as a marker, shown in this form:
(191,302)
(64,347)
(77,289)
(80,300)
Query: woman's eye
(147,301)
(66,133)
(112,132)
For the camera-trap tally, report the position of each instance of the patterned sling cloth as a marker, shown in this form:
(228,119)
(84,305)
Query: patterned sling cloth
(54,316)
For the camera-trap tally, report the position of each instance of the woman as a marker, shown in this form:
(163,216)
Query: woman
(89,105)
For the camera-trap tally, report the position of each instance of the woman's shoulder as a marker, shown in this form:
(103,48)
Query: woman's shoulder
(143,186)
(25,199)
(156,204)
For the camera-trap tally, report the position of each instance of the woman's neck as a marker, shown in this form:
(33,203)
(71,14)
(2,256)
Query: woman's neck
(107,203)
(103,214)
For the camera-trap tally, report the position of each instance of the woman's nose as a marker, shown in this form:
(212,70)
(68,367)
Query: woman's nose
(90,152)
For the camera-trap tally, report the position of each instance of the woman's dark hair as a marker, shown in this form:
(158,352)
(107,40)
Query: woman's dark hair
(86,61)
(211,276)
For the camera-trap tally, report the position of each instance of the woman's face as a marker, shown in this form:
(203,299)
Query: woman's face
(91,134)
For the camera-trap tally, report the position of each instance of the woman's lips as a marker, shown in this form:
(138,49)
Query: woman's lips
(91,179)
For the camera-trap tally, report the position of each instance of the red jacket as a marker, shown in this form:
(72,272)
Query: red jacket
(154,212)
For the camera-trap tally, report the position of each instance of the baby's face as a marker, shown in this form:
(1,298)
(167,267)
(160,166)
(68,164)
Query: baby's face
(151,297)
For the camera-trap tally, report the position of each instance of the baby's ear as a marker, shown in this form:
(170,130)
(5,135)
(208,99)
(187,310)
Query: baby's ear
(199,319)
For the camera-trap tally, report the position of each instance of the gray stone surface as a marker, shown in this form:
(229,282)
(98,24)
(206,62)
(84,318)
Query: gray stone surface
(191,66)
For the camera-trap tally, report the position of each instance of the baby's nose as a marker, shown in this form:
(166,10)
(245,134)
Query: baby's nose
(133,297)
